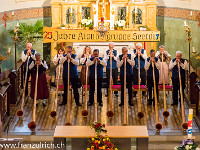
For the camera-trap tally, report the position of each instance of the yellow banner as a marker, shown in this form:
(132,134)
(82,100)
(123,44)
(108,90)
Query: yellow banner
(65,35)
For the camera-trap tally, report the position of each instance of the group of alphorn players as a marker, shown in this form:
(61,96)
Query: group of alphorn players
(134,68)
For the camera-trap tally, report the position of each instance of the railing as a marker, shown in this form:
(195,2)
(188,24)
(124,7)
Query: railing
(4,103)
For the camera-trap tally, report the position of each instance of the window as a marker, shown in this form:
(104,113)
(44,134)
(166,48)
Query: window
(138,17)
(86,12)
(68,16)
(121,13)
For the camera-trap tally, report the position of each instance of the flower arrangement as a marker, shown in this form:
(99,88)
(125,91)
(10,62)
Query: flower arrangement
(86,22)
(120,23)
(143,28)
(98,127)
(188,144)
(100,143)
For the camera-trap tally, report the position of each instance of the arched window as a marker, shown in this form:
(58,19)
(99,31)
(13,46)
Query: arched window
(138,17)
(68,16)
(86,12)
(121,13)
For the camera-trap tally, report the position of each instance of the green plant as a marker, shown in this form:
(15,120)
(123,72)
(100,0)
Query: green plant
(62,25)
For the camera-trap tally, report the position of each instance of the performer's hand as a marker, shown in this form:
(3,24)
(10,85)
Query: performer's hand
(29,52)
(69,56)
(95,59)
(112,55)
(60,55)
(87,53)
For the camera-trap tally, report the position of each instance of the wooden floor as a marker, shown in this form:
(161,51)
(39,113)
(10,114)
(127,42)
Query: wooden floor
(46,124)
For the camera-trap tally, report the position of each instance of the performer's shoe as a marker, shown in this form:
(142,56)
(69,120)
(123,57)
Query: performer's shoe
(90,104)
(130,103)
(116,95)
(78,104)
(37,105)
(63,103)
(44,104)
(174,104)
(106,95)
(121,104)
(100,104)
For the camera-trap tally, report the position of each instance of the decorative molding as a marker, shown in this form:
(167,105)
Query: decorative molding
(18,1)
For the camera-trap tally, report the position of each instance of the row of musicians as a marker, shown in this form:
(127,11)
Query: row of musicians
(130,73)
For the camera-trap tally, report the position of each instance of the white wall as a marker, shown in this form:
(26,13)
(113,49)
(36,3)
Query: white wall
(7,5)
(189,4)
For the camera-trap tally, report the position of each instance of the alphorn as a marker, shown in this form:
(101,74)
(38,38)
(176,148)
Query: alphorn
(140,114)
(20,112)
(110,113)
(184,123)
(95,96)
(53,113)
(68,101)
(85,111)
(125,101)
(158,125)
(165,112)
(32,124)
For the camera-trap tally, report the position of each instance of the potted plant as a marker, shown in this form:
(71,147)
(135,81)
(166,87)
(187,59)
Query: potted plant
(120,24)
(87,23)
(143,28)
(188,144)
(62,26)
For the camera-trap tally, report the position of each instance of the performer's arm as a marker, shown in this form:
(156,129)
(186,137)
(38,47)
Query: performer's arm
(106,57)
(172,64)
(157,54)
(131,61)
(62,60)
(89,63)
(144,56)
(119,63)
(75,61)
(24,57)
(33,56)
(103,62)
(56,59)
(83,58)
(31,65)
(147,64)
(44,65)
(158,64)
(115,57)
(185,65)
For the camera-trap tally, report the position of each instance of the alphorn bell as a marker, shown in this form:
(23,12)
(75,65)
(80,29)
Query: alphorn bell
(140,113)
(165,112)
(68,101)
(158,125)
(125,101)
(184,123)
(110,113)
(32,124)
(53,113)
(20,112)
(95,96)
(85,111)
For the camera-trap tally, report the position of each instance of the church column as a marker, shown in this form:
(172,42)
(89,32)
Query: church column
(112,16)
(95,10)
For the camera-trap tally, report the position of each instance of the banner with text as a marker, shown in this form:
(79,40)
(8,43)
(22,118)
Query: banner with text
(67,35)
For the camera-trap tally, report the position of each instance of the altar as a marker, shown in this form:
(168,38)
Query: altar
(122,136)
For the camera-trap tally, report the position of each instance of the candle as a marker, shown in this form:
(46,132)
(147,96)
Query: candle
(71,9)
(185,24)
(136,9)
(9,50)
(18,24)
(193,50)
(190,123)
(102,19)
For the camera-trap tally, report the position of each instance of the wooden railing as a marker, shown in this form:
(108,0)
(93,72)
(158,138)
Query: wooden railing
(4,103)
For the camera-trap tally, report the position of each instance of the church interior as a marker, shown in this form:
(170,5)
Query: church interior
(57,90)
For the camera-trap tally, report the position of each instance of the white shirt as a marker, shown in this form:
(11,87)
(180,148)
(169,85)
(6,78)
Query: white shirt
(147,64)
(75,61)
(102,62)
(184,65)
(106,57)
(144,56)
(82,60)
(130,61)
(43,64)
(165,52)
(24,57)
(56,59)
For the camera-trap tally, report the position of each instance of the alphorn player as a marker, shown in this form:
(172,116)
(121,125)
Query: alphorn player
(143,57)
(149,69)
(175,75)
(113,54)
(73,75)
(100,65)
(42,88)
(129,73)
(28,52)
(165,67)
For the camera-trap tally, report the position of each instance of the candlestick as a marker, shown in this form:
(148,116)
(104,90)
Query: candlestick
(9,50)
(190,123)
(71,9)
(136,9)
(18,24)
(185,24)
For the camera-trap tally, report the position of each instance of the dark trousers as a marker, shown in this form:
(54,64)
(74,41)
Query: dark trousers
(92,89)
(114,77)
(176,89)
(128,85)
(142,76)
(150,85)
(74,83)
(28,76)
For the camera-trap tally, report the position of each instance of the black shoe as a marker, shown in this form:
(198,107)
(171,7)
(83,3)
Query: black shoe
(106,95)
(63,103)
(78,104)
(121,104)
(174,104)
(44,104)
(149,103)
(100,104)
(116,95)
(37,105)
(90,104)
